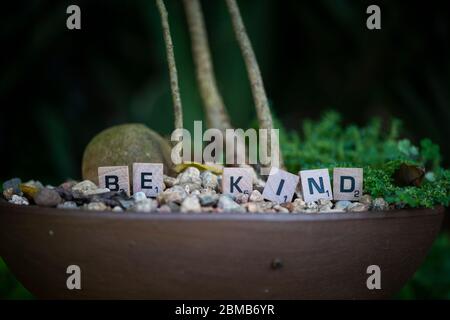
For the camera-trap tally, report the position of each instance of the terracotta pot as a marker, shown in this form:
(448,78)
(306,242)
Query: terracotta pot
(221,256)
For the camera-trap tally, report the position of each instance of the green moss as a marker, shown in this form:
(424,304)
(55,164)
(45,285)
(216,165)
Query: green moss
(329,143)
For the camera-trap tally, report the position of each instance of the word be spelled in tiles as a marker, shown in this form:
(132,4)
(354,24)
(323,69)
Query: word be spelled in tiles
(114,178)
(347,183)
(316,185)
(148,178)
(237,180)
(280,186)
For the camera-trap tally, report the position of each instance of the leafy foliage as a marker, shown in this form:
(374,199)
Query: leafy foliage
(328,143)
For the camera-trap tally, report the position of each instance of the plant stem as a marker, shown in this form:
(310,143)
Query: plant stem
(254,74)
(216,113)
(177,107)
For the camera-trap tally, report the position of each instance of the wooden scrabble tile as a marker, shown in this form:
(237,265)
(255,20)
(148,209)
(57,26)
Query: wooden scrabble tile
(347,183)
(280,186)
(237,180)
(148,178)
(316,185)
(114,178)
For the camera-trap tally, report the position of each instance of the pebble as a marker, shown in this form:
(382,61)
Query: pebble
(68,185)
(260,206)
(324,205)
(208,199)
(175,194)
(298,205)
(241,198)
(47,197)
(379,204)
(97,206)
(281,209)
(190,174)
(8,193)
(169,181)
(227,204)
(67,205)
(190,204)
(165,209)
(311,206)
(147,205)
(366,199)
(174,207)
(139,196)
(19,200)
(80,189)
(34,183)
(96,192)
(256,196)
(209,180)
(13,184)
(29,191)
(358,207)
(342,204)
(191,191)
(126,204)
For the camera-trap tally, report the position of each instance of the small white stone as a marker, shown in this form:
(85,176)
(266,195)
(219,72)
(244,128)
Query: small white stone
(191,204)
(139,196)
(256,196)
(19,200)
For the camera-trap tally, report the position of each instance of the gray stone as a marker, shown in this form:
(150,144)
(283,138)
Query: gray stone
(209,180)
(324,205)
(190,176)
(47,197)
(97,206)
(169,181)
(241,198)
(229,205)
(8,193)
(68,185)
(342,204)
(366,199)
(117,209)
(208,199)
(259,206)
(67,205)
(175,194)
(19,200)
(96,192)
(139,196)
(298,205)
(147,205)
(281,209)
(13,184)
(80,189)
(164,209)
(190,204)
(256,196)
(358,207)
(174,207)
(379,204)
(311,206)
(126,204)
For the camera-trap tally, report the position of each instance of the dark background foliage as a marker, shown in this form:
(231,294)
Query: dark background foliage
(58,88)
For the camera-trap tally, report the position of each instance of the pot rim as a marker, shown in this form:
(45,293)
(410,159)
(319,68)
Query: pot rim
(202,216)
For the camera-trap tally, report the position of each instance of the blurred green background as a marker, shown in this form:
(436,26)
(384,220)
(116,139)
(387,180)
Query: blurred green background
(58,87)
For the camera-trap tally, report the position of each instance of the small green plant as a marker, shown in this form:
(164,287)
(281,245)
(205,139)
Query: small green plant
(381,152)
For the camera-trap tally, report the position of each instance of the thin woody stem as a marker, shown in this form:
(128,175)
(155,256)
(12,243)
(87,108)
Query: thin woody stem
(216,113)
(254,74)
(177,107)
